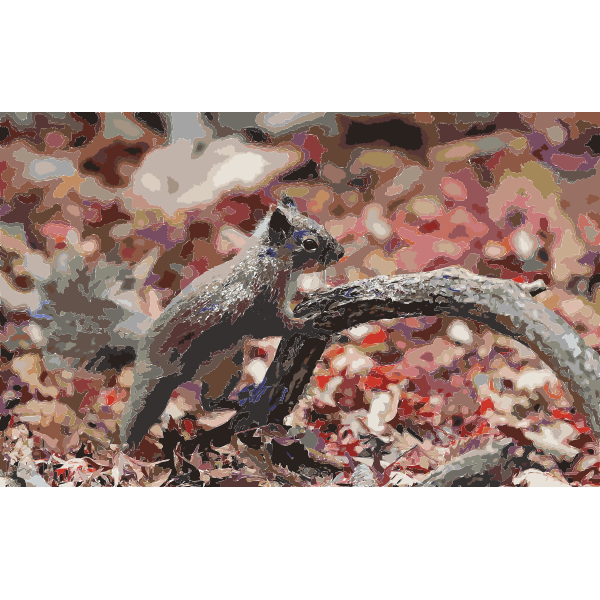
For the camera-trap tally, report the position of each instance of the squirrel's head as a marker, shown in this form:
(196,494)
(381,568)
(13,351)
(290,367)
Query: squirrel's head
(289,233)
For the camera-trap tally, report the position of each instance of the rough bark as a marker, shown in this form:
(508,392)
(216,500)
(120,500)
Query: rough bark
(495,463)
(505,306)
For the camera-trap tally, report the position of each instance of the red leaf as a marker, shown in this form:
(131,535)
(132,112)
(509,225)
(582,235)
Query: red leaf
(334,351)
(581,429)
(319,423)
(481,429)
(372,382)
(314,147)
(3,185)
(495,159)
(374,338)
(261,353)
(322,381)
(561,414)
(504,351)
(111,398)
(379,378)
(418,469)
(405,408)
(486,405)
(426,412)
(429,227)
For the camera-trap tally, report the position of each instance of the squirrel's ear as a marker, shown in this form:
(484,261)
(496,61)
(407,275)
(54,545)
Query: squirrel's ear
(279,227)
(288,201)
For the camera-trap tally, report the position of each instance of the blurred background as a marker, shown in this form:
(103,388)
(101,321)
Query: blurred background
(106,217)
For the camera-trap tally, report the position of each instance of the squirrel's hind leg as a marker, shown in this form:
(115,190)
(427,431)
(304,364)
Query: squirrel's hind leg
(220,377)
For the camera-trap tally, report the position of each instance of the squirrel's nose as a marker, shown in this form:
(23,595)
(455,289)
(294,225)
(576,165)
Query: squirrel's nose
(334,252)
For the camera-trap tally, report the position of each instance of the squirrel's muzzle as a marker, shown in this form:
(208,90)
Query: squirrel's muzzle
(335,253)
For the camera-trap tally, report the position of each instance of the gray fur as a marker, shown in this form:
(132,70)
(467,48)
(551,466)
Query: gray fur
(214,314)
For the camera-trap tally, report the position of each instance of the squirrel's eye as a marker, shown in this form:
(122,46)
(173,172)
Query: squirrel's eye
(310,245)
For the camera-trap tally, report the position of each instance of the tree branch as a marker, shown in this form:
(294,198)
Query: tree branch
(505,306)
(491,466)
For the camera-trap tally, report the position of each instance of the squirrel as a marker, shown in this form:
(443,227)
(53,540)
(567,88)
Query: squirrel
(211,318)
